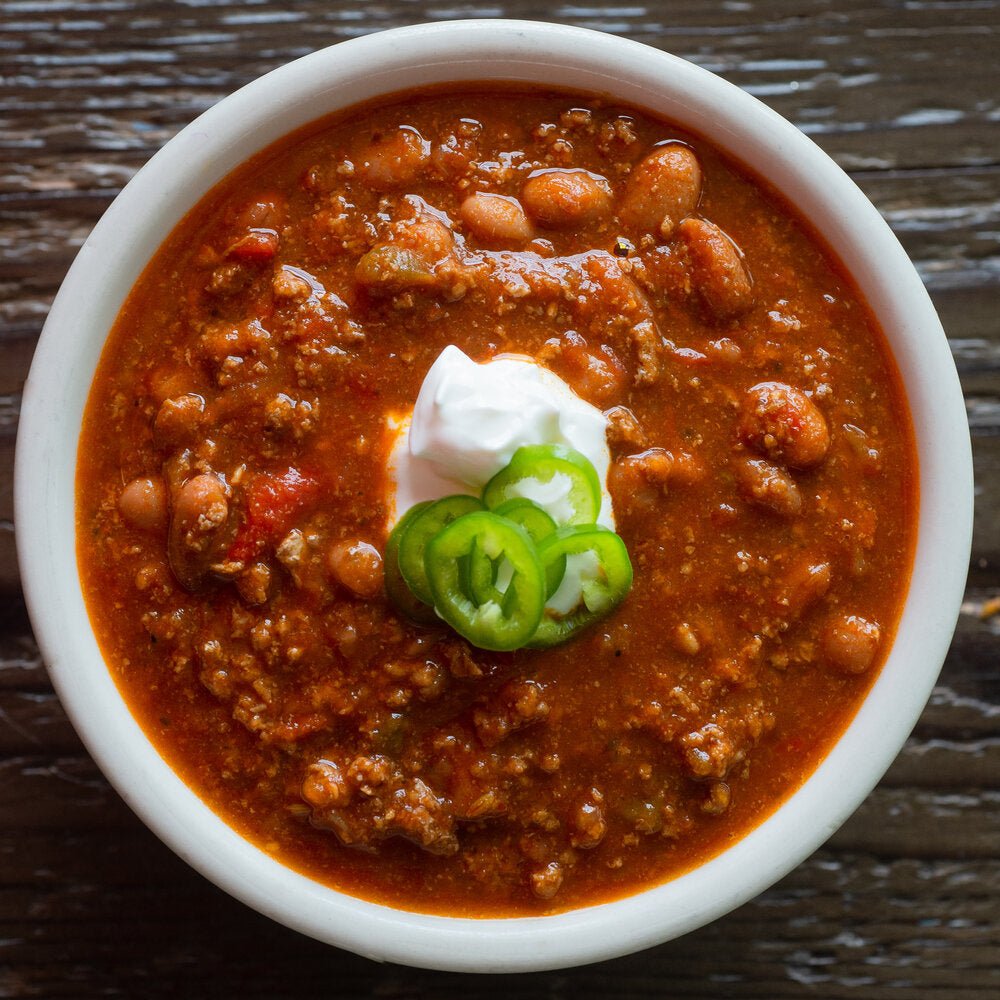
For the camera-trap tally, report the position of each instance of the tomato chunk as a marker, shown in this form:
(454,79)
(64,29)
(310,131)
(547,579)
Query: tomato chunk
(272,502)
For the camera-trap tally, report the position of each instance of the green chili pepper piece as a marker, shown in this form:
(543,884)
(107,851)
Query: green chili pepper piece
(599,559)
(558,479)
(420,531)
(484,575)
(493,624)
(396,590)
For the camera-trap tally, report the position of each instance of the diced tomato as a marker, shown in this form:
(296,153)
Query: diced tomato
(257,247)
(273,501)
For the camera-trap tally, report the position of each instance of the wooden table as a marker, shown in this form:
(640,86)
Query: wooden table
(904,901)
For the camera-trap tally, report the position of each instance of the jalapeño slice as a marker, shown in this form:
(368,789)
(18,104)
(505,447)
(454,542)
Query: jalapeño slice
(535,521)
(598,576)
(420,531)
(396,590)
(489,579)
(558,479)
(505,623)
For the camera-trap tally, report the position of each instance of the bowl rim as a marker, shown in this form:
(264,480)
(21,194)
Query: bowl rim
(476,51)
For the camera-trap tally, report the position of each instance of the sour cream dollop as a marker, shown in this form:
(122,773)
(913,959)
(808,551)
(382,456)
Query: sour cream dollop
(470,418)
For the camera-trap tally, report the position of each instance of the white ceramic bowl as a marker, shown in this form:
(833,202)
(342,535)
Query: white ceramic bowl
(204,152)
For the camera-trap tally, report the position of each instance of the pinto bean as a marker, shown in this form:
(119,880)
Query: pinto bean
(201,505)
(561,199)
(850,643)
(783,423)
(688,469)
(804,585)
(357,565)
(712,751)
(178,419)
(324,786)
(163,383)
(395,159)
(197,528)
(685,640)
(653,465)
(495,218)
(624,429)
(596,375)
(662,189)
(637,481)
(267,211)
(457,149)
(718,270)
(768,486)
(143,504)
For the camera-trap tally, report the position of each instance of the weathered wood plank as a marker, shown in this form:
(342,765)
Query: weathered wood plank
(21,667)
(842,925)
(50,793)
(34,723)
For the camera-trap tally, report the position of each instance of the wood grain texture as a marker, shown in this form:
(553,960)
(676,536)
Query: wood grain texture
(902,902)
